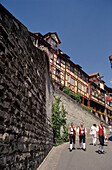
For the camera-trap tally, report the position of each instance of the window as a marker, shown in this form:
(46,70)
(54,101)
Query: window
(53,44)
(79,86)
(96,93)
(68,66)
(92,92)
(58,79)
(99,96)
(72,82)
(72,69)
(50,55)
(80,75)
(102,97)
(57,71)
(84,78)
(69,78)
(63,62)
(75,71)
(85,89)
(87,80)
(58,61)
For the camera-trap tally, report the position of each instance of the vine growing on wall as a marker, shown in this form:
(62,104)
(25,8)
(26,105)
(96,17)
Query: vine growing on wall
(58,121)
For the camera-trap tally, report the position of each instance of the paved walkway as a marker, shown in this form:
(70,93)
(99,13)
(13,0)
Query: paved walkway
(61,159)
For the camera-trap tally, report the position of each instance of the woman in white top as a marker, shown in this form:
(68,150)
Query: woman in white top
(93,132)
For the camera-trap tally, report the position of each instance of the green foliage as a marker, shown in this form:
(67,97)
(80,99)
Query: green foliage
(63,117)
(58,120)
(88,108)
(58,141)
(72,95)
(69,92)
(66,90)
(65,134)
(63,138)
(78,98)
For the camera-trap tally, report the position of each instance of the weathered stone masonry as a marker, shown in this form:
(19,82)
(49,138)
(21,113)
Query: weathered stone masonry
(25,127)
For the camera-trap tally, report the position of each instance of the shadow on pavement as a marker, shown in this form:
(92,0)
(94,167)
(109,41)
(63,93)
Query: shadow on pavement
(99,152)
(79,148)
(105,145)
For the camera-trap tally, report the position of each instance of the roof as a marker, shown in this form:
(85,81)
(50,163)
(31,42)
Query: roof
(49,33)
(38,34)
(108,88)
(40,37)
(94,74)
(63,54)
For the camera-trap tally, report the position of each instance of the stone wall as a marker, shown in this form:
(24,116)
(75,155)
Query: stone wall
(76,112)
(26,134)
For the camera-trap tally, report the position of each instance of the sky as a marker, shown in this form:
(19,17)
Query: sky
(83,26)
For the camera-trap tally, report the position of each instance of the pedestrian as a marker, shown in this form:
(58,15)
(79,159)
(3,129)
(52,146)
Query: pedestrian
(71,136)
(110,128)
(82,133)
(101,133)
(93,132)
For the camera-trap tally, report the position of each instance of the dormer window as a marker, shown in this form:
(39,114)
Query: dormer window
(53,44)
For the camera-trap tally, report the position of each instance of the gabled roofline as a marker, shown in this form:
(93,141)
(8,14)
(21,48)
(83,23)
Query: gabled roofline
(49,33)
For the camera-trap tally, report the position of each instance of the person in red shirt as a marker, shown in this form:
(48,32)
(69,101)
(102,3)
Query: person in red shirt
(101,133)
(71,136)
(82,133)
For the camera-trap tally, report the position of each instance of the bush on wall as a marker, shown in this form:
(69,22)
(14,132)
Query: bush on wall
(72,95)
